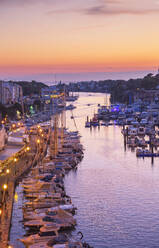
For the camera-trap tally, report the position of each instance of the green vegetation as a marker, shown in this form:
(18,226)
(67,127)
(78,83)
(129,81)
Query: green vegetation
(30,88)
(10,111)
(120,90)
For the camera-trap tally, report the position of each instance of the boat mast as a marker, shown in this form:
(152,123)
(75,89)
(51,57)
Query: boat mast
(63,119)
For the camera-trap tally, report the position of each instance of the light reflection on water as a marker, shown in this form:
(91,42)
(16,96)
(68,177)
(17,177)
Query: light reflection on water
(117,195)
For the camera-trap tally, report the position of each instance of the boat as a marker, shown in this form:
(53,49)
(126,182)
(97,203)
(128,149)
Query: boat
(94,121)
(70,107)
(87,123)
(142,143)
(132,132)
(141,130)
(36,239)
(105,124)
(71,98)
(132,142)
(146,153)
(69,208)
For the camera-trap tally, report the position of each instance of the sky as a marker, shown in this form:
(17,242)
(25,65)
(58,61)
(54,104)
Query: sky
(72,36)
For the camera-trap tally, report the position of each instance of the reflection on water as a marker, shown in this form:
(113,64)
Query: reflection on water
(117,195)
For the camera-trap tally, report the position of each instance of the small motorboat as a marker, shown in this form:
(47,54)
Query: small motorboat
(94,121)
(87,123)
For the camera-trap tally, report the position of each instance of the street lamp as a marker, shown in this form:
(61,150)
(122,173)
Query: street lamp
(15,160)
(5,186)
(28,148)
(7,172)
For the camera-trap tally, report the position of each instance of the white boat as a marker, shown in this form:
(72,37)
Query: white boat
(132,132)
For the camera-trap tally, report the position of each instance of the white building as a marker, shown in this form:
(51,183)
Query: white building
(10,93)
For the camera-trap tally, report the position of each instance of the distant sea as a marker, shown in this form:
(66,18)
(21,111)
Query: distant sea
(53,78)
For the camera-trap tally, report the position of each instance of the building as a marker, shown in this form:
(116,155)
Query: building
(10,93)
(49,91)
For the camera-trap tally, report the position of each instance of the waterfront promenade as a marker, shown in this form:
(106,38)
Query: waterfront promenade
(11,171)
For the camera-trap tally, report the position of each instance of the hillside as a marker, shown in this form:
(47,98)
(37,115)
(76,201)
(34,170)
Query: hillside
(30,88)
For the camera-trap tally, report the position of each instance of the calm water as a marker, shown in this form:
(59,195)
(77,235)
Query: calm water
(77,77)
(117,195)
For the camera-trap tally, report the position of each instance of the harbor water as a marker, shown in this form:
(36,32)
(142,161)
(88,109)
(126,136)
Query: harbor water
(116,194)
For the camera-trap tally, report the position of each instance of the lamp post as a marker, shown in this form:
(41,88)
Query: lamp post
(7,172)
(38,146)
(15,169)
(5,186)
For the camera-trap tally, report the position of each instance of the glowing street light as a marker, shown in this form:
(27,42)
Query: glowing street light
(16,197)
(38,141)
(15,159)
(28,148)
(7,171)
(5,186)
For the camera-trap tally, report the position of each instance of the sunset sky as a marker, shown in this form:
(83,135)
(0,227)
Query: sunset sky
(63,36)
